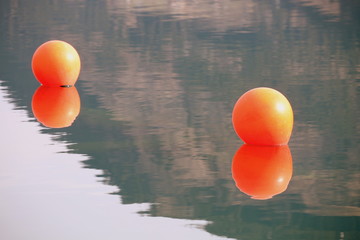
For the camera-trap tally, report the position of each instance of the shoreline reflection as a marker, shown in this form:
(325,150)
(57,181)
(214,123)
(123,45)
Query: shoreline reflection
(262,171)
(56,107)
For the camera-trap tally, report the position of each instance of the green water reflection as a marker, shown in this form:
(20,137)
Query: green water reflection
(157,87)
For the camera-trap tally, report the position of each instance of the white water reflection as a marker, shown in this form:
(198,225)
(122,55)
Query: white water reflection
(46,194)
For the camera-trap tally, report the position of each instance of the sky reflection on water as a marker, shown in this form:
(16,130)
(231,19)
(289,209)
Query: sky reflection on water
(46,194)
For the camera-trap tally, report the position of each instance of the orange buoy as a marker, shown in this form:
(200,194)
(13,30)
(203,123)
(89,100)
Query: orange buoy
(263,116)
(262,171)
(56,63)
(56,107)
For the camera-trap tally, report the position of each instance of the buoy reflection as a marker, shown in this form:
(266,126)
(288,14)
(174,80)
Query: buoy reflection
(56,107)
(262,171)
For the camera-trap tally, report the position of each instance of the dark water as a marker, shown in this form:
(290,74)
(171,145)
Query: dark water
(158,83)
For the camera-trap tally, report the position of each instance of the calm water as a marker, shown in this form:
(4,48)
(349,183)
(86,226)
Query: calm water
(150,154)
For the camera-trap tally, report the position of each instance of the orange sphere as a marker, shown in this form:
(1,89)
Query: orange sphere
(56,107)
(263,116)
(56,63)
(262,171)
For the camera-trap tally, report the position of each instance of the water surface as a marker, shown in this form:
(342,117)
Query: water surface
(157,86)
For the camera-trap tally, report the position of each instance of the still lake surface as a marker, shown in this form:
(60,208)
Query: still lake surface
(150,154)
